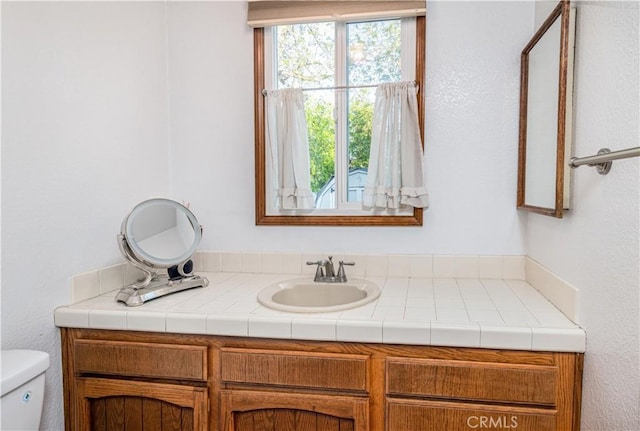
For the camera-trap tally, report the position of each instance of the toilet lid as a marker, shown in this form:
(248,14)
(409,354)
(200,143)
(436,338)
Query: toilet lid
(20,366)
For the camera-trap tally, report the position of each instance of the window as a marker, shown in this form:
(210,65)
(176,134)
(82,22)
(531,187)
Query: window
(338,64)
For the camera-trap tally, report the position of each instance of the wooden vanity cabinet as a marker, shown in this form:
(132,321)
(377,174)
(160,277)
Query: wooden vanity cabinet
(120,380)
(129,385)
(112,404)
(541,393)
(293,390)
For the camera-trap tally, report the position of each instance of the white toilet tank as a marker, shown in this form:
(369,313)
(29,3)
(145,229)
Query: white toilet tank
(22,389)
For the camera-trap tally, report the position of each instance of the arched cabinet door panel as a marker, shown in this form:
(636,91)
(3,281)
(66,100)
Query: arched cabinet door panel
(122,405)
(275,411)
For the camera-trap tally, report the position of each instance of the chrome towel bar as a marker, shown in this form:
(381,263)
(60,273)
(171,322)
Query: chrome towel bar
(602,160)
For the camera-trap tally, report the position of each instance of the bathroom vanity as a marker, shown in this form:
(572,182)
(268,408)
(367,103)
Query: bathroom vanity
(124,380)
(189,361)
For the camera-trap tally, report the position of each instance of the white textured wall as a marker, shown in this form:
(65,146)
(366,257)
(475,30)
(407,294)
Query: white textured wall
(595,247)
(85,101)
(84,137)
(472,82)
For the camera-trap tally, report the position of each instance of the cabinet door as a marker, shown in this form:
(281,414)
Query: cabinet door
(417,415)
(121,405)
(276,411)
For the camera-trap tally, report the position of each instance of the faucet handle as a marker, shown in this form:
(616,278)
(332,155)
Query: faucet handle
(320,273)
(342,275)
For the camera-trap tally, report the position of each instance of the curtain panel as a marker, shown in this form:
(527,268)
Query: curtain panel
(288,143)
(395,178)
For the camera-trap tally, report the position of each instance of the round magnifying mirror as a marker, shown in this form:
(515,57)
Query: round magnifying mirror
(160,234)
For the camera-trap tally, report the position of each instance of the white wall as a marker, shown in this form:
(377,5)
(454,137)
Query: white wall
(84,137)
(85,104)
(595,246)
(471,133)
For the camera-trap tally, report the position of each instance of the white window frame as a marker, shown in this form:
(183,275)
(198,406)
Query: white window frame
(343,206)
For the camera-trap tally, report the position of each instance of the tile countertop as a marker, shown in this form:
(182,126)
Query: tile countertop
(485,313)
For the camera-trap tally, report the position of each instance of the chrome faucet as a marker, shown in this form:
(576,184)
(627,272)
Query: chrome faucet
(325,271)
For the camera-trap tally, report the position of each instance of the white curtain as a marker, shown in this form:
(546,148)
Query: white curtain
(395,178)
(288,145)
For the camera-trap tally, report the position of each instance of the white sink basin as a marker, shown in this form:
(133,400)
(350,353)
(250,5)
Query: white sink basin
(304,296)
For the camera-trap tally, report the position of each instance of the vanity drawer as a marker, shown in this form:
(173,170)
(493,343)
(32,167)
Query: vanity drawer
(296,369)
(166,361)
(467,380)
(413,415)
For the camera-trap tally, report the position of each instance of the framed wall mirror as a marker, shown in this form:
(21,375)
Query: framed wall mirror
(546,84)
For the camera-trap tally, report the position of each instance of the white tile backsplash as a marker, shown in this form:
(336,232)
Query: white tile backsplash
(513,267)
(85,286)
(232,262)
(271,263)
(466,267)
(197,261)
(490,266)
(211,261)
(132,274)
(562,294)
(291,263)
(111,278)
(485,301)
(443,266)
(421,266)
(398,266)
(251,262)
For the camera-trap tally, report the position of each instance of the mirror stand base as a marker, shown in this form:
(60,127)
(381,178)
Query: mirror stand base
(157,288)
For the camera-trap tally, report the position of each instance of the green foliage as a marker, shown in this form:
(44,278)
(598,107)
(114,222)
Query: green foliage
(360,123)
(321,130)
(305,58)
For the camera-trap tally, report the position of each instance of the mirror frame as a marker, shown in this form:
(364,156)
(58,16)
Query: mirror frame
(179,275)
(563,12)
(260,149)
(143,256)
